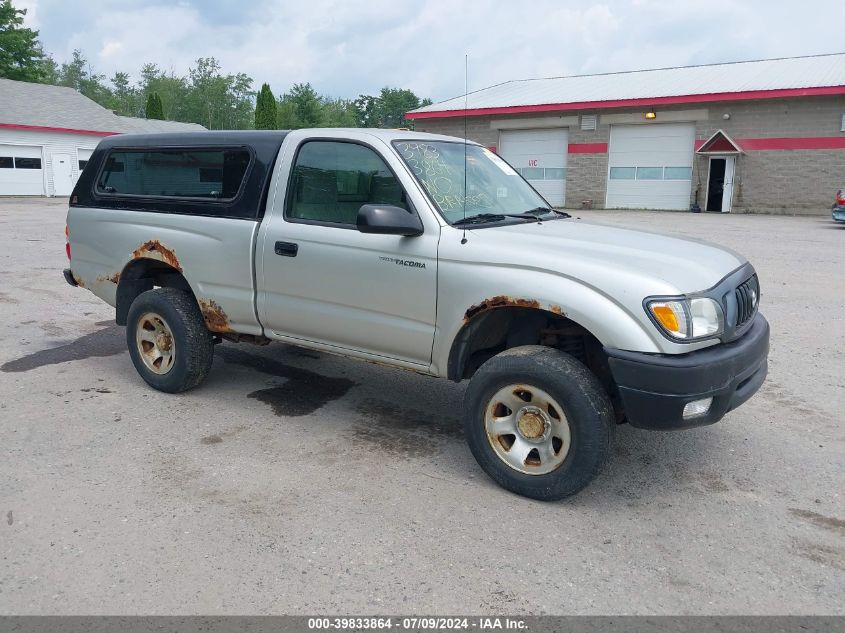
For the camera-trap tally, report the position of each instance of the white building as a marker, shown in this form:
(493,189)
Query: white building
(47,134)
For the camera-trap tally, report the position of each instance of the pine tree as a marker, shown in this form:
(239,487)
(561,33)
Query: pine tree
(265,109)
(154,108)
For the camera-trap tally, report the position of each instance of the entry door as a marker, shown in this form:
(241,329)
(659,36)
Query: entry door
(720,183)
(728,186)
(325,282)
(540,156)
(62,174)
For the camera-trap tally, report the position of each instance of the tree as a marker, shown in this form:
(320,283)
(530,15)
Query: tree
(218,101)
(21,55)
(301,107)
(265,109)
(77,74)
(338,113)
(172,90)
(154,108)
(388,108)
(125,98)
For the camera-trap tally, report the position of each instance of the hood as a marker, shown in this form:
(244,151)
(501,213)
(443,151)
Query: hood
(611,258)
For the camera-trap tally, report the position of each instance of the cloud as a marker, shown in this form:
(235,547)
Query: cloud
(349,47)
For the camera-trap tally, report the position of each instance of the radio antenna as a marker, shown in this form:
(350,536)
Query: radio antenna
(466,102)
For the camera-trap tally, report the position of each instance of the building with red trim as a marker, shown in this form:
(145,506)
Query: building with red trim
(761,136)
(47,134)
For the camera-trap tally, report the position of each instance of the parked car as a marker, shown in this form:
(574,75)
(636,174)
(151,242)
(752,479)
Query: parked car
(839,206)
(362,243)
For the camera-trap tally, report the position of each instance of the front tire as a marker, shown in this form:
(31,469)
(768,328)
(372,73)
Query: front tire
(538,422)
(168,342)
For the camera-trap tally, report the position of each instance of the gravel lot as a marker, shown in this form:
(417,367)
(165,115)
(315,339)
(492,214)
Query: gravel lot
(317,484)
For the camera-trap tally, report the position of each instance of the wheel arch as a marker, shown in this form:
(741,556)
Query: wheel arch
(142,274)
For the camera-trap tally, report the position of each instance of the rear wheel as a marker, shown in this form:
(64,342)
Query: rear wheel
(538,422)
(168,342)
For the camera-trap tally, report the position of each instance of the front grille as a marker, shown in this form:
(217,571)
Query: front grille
(747,299)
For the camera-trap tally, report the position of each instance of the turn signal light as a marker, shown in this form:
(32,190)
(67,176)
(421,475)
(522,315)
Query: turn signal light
(667,317)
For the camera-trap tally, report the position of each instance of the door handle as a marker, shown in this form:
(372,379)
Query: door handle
(287,249)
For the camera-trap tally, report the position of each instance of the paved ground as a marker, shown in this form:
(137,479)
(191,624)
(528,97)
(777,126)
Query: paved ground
(351,490)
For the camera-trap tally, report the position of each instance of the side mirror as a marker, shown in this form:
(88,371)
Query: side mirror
(386,219)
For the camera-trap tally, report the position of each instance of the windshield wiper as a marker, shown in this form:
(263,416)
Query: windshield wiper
(538,212)
(484,218)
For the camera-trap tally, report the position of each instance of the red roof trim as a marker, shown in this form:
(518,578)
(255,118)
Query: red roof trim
(815,142)
(63,130)
(627,103)
(588,148)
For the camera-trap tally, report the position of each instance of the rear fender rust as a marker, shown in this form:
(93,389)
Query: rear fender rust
(215,318)
(115,278)
(79,281)
(153,249)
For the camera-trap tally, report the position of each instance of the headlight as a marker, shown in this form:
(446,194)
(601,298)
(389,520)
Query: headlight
(687,319)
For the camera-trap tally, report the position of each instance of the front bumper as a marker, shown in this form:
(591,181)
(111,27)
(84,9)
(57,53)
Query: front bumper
(839,214)
(654,388)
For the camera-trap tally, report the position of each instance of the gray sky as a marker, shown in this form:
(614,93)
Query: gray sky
(349,47)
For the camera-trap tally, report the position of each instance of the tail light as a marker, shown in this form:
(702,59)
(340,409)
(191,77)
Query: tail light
(840,197)
(67,241)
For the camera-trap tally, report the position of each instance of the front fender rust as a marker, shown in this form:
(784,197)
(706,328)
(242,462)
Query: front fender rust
(153,249)
(215,319)
(499,301)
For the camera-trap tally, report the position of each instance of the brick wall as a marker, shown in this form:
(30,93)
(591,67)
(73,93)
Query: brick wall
(770,181)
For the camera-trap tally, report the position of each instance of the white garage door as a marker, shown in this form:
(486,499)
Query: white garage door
(540,156)
(650,166)
(21,170)
(83,155)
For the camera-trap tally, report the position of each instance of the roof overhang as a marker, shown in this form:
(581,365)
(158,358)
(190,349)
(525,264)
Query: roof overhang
(719,143)
(61,130)
(648,102)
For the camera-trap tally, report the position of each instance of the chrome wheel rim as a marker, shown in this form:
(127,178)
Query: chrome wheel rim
(527,429)
(156,346)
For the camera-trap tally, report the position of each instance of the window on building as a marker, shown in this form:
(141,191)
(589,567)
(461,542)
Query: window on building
(82,164)
(555,173)
(532,173)
(649,173)
(677,173)
(27,163)
(332,180)
(178,173)
(6,162)
(623,173)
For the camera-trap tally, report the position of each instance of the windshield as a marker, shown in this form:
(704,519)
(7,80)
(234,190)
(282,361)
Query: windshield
(492,186)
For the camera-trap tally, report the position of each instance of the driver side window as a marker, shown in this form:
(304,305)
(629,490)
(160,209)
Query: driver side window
(331,180)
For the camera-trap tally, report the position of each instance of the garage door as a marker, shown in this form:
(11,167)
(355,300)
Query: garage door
(83,155)
(21,170)
(540,156)
(650,166)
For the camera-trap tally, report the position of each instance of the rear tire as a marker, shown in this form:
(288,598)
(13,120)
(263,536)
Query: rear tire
(168,342)
(538,422)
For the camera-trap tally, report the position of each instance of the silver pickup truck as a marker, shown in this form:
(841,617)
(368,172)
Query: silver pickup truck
(425,253)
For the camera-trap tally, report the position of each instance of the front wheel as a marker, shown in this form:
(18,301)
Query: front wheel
(538,422)
(168,342)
